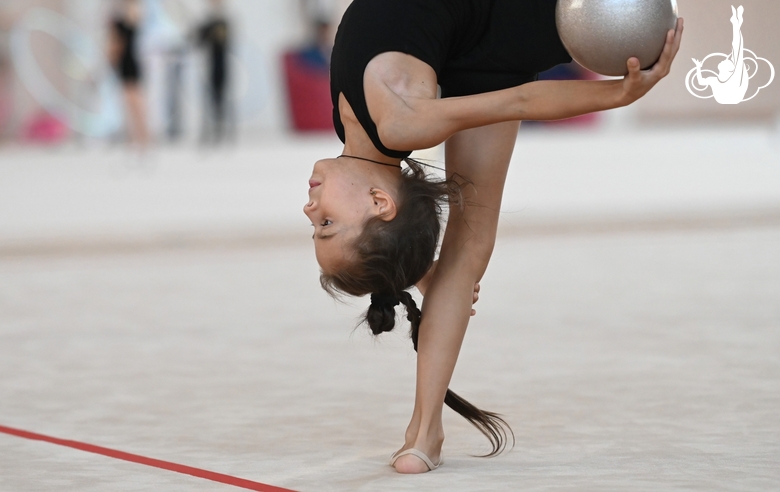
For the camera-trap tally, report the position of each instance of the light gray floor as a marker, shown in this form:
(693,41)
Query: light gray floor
(642,361)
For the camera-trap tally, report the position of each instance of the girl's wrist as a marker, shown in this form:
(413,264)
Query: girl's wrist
(622,97)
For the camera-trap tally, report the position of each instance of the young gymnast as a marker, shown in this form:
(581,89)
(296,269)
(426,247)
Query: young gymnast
(123,54)
(376,225)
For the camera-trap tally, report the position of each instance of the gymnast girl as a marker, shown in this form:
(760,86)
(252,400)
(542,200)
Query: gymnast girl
(377,225)
(123,55)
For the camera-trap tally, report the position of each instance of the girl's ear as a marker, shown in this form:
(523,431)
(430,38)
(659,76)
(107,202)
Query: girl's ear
(383,204)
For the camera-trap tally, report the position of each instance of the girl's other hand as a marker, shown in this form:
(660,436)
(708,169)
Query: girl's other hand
(476,298)
(423,284)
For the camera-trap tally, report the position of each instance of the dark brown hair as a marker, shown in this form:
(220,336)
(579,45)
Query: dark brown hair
(392,256)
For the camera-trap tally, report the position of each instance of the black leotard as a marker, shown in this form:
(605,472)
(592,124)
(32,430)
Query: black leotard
(128,68)
(474,46)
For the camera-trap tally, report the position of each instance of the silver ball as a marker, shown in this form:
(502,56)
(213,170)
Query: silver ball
(601,35)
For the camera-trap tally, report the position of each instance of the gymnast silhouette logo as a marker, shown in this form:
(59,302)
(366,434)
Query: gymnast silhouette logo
(735,71)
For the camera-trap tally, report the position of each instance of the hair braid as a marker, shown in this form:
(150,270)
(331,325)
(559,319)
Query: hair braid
(413,314)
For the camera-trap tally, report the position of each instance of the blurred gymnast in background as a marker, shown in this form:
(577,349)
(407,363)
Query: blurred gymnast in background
(123,56)
(214,36)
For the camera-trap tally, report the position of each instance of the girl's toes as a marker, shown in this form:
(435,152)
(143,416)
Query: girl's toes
(410,464)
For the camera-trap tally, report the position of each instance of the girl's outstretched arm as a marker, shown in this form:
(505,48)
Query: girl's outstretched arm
(420,123)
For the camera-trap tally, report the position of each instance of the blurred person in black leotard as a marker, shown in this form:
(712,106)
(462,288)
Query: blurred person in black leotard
(214,35)
(123,55)
(376,225)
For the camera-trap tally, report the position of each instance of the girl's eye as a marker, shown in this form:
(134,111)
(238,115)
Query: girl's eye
(327,223)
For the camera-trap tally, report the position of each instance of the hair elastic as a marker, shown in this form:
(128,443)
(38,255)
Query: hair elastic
(385,300)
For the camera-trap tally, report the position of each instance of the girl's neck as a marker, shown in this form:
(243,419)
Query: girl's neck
(369,153)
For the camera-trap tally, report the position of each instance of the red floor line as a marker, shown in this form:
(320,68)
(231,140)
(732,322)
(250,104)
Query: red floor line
(142,460)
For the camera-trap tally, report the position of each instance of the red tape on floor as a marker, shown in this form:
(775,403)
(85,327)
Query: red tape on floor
(142,460)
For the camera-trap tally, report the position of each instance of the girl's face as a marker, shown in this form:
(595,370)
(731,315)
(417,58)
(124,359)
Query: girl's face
(340,202)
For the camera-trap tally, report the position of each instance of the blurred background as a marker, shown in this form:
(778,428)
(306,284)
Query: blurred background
(195,62)
(138,122)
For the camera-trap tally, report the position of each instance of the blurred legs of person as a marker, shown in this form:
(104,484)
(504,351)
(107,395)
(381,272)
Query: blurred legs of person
(214,36)
(136,111)
(174,89)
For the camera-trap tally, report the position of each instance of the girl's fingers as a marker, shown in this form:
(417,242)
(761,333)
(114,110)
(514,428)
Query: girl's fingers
(634,71)
(671,47)
(676,39)
(672,44)
(678,35)
(476,297)
(666,55)
(633,66)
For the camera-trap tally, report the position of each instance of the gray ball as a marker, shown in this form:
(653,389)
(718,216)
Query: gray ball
(601,35)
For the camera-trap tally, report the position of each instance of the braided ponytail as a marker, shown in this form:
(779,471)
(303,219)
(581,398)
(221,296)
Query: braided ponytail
(413,315)
(380,316)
